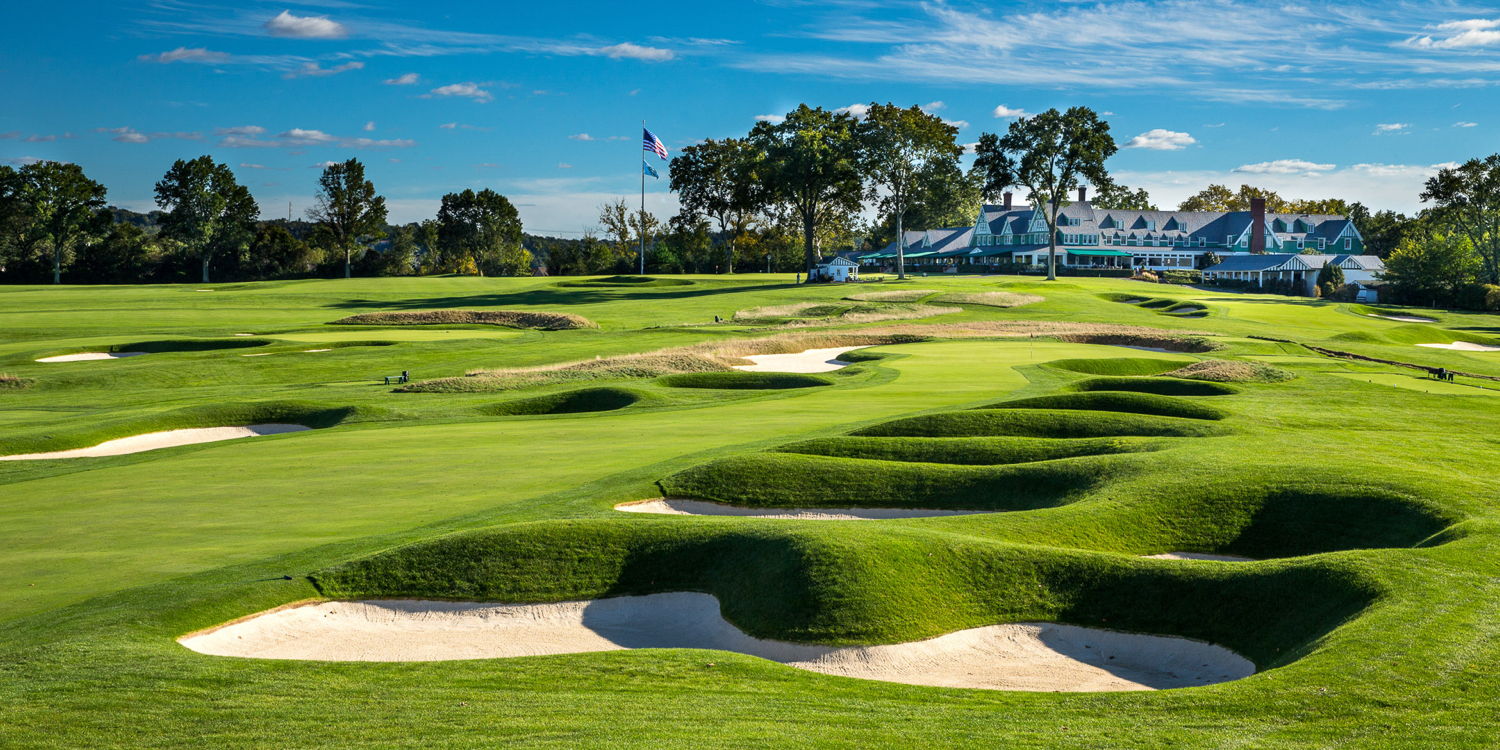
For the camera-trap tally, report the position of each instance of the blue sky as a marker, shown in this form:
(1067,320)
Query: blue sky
(542,101)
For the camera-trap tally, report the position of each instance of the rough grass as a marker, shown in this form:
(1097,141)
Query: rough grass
(901,295)
(1041,423)
(789,310)
(1124,402)
(538,319)
(635,282)
(1121,366)
(1232,371)
(991,299)
(571,402)
(860,317)
(10,382)
(985,451)
(1160,386)
(627,367)
(788,480)
(751,381)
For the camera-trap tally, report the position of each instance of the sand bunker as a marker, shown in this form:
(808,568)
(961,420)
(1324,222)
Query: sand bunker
(168,439)
(1463,346)
(674,507)
(1199,556)
(1404,318)
(90,356)
(1021,656)
(309,351)
(812,360)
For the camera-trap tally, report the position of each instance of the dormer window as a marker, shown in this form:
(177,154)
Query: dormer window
(1151,224)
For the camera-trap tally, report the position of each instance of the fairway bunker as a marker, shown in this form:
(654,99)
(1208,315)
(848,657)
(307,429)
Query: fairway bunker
(1018,656)
(1462,346)
(812,360)
(157,440)
(680,507)
(91,356)
(1404,318)
(1200,556)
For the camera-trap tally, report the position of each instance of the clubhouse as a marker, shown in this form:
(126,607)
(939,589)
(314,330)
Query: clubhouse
(1118,240)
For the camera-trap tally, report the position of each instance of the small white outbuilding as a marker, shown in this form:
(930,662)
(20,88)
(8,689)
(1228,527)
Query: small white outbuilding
(835,269)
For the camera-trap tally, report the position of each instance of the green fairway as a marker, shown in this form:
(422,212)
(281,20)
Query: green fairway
(1362,493)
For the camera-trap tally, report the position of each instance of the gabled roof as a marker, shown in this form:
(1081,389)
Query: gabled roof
(835,261)
(1361,262)
(1262,262)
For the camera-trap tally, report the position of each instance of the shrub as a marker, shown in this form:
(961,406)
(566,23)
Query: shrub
(11,382)
(1231,371)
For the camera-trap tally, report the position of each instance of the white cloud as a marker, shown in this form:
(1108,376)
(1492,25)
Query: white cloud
(1004,111)
(131,135)
(1106,113)
(371,144)
(448,125)
(581,137)
(1391,127)
(369,126)
(27,160)
(857,110)
(246,137)
(1215,125)
(933,106)
(323,165)
(404,80)
(185,54)
(960,124)
(469,90)
(244,165)
(10,135)
(970,148)
(773,119)
(1161,140)
(1379,186)
(305,27)
(564,165)
(1462,124)
(1474,32)
(240,130)
(635,52)
(1284,166)
(300,137)
(315,70)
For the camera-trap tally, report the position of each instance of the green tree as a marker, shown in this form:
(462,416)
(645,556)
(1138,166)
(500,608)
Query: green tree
(628,231)
(1113,196)
(60,204)
(1330,275)
(1467,197)
(485,229)
(953,201)
(120,255)
(716,179)
(1431,268)
(903,154)
(206,209)
(1383,231)
(276,253)
(811,164)
(1048,154)
(401,257)
(347,204)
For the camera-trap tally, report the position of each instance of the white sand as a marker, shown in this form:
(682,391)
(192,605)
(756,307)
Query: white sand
(1463,346)
(262,354)
(90,356)
(675,507)
(1404,318)
(1021,656)
(305,351)
(812,360)
(168,439)
(244,334)
(1199,556)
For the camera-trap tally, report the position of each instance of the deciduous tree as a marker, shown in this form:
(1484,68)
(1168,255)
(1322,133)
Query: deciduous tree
(485,229)
(59,203)
(904,153)
(811,163)
(1048,154)
(716,179)
(1113,196)
(1467,197)
(206,209)
(347,204)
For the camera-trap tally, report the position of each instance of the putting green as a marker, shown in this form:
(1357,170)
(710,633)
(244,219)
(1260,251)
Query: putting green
(1425,385)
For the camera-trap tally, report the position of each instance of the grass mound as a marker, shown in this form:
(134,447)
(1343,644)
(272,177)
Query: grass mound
(635,282)
(1129,299)
(13,383)
(1040,423)
(991,299)
(1360,337)
(165,346)
(791,582)
(1119,365)
(1418,333)
(1232,371)
(1159,386)
(219,415)
(1168,341)
(821,314)
(901,295)
(1288,523)
(538,319)
(572,402)
(789,480)
(629,367)
(985,451)
(1125,402)
(751,381)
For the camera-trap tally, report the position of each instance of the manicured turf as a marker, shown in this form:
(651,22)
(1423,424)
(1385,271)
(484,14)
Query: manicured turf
(1371,508)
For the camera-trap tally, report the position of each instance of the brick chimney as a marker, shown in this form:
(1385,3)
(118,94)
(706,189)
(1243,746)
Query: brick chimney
(1083,194)
(1007,201)
(1257,225)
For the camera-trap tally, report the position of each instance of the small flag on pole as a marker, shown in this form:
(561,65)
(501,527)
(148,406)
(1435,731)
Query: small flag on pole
(649,170)
(653,144)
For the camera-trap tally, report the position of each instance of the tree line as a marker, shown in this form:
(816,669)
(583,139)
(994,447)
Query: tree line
(55,225)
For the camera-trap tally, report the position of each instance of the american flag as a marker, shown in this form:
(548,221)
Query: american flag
(651,143)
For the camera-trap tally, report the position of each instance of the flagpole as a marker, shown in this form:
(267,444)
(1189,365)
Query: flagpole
(643,201)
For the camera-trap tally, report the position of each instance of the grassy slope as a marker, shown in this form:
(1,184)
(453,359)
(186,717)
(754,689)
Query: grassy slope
(148,537)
